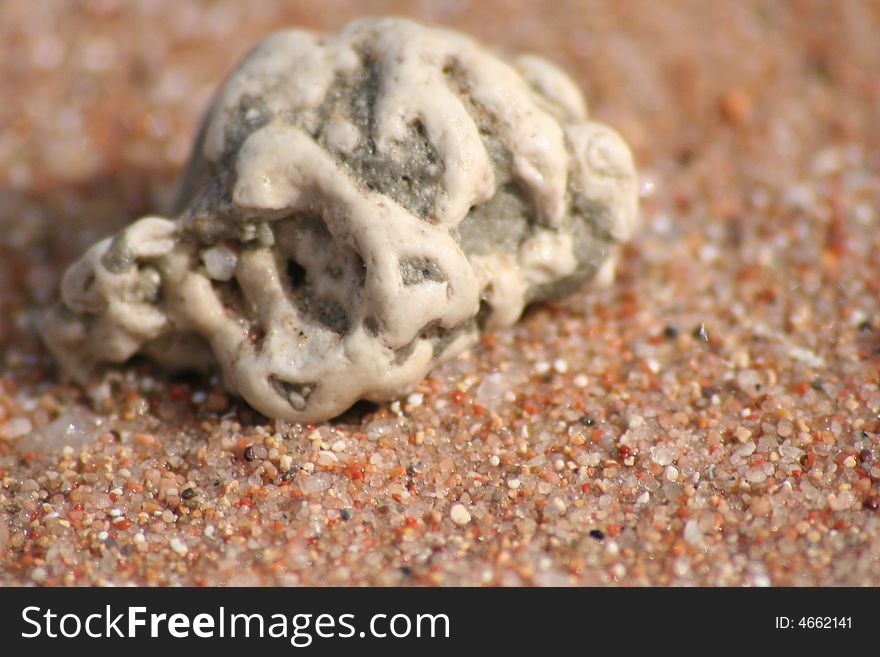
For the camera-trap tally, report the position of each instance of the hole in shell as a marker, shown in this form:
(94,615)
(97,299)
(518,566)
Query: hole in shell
(417,270)
(296,394)
(371,325)
(325,310)
(296,274)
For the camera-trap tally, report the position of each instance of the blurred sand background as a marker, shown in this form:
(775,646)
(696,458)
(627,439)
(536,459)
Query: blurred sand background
(712,418)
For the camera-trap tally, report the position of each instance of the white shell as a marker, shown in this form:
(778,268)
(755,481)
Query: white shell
(359,208)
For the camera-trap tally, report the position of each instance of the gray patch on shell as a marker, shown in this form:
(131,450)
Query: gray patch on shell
(320,307)
(305,223)
(441,338)
(591,244)
(482,116)
(415,271)
(204,195)
(196,176)
(251,114)
(326,311)
(402,355)
(118,258)
(211,215)
(412,182)
(371,326)
(501,224)
(329,312)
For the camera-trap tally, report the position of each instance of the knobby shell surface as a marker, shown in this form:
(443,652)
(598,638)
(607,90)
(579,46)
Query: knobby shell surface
(357,209)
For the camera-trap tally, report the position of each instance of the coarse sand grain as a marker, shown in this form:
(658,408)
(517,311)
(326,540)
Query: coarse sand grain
(711,418)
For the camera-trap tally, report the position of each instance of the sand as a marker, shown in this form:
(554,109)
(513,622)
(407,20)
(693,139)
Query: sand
(711,418)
